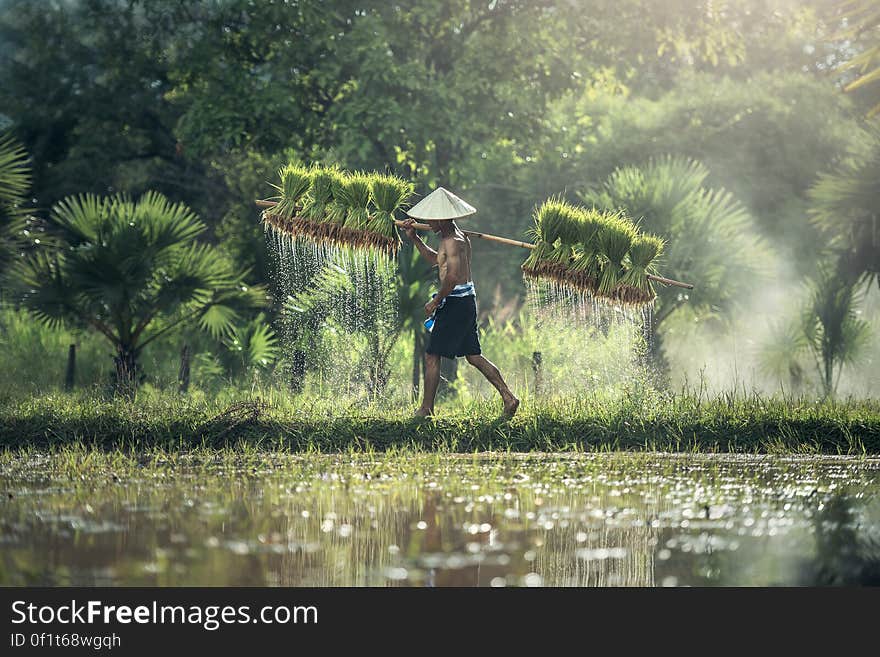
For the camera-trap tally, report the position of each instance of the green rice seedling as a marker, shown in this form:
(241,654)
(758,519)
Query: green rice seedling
(589,233)
(295,182)
(336,207)
(389,194)
(552,220)
(568,227)
(585,266)
(614,239)
(643,252)
(571,223)
(549,217)
(320,195)
(537,258)
(355,196)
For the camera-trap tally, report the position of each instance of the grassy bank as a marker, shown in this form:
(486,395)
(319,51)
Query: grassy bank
(273,421)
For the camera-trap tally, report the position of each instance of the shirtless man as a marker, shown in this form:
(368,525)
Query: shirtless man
(454,307)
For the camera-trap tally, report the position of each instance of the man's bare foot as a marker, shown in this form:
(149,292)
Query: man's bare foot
(423,412)
(510,407)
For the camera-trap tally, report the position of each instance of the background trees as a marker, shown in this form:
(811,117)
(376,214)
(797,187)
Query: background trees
(710,236)
(506,101)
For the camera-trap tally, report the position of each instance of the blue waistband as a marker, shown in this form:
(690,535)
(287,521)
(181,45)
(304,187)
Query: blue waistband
(463,290)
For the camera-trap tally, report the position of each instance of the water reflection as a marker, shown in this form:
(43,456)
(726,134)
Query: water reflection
(427,520)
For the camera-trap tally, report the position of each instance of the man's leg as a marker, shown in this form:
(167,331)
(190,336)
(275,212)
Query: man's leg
(493,375)
(432,380)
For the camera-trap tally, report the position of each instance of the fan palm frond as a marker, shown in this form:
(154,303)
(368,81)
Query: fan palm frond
(15,172)
(844,205)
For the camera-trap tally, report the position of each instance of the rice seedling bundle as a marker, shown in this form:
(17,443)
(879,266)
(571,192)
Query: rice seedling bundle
(389,194)
(598,252)
(556,221)
(583,274)
(601,253)
(336,208)
(614,238)
(635,286)
(355,196)
(568,229)
(320,194)
(295,182)
(327,205)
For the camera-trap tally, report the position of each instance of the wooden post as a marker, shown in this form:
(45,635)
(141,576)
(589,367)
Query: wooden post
(183,374)
(537,368)
(70,374)
(418,365)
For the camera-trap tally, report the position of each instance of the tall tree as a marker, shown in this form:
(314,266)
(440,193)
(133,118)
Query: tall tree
(846,207)
(91,108)
(711,237)
(834,332)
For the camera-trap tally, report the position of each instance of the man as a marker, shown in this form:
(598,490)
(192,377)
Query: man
(454,307)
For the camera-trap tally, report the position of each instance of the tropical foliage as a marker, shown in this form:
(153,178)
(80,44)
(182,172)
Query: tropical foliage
(846,207)
(245,348)
(506,102)
(825,337)
(862,22)
(133,272)
(351,300)
(833,332)
(710,237)
(14,183)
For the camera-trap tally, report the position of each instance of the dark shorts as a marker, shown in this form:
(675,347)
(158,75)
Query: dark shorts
(455,329)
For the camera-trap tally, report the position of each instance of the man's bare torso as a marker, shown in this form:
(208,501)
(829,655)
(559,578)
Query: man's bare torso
(454,258)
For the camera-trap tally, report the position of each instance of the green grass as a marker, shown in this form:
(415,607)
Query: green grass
(273,420)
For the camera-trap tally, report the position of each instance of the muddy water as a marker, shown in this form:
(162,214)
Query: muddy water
(429,520)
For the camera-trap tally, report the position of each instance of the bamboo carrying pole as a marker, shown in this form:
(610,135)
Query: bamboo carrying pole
(502,240)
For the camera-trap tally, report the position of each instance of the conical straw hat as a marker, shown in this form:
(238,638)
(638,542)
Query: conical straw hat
(440,205)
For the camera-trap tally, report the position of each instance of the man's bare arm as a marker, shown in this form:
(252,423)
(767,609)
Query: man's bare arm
(427,252)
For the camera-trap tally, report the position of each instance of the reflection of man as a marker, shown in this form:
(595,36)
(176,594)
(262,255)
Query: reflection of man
(454,307)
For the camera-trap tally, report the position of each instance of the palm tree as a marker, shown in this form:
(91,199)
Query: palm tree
(14,184)
(349,294)
(353,298)
(134,272)
(711,237)
(846,207)
(833,332)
